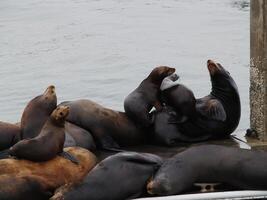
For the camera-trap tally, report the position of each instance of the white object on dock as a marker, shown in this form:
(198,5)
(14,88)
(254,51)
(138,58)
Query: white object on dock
(232,195)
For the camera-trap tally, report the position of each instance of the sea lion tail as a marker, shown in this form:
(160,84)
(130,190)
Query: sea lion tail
(4,154)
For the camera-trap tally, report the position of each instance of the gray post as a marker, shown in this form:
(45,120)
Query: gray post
(258,67)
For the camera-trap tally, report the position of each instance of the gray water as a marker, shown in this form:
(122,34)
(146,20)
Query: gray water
(102,49)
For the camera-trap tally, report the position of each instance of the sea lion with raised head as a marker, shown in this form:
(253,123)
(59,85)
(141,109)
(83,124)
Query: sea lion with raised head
(37,112)
(139,102)
(48,143)
(129,170)
(217,114)
(239,168)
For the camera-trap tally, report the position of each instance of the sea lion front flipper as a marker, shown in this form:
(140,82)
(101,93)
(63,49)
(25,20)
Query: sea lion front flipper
(68,156)
(213,109)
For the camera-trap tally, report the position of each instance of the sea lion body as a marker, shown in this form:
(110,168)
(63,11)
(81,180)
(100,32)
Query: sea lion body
(109,128)
(216,115)
(138,103)
(48,143)
(166,132)
(77,136)
(50,174)
(9,135)
(130,171)
(37,112)
(14,187)
(239,168)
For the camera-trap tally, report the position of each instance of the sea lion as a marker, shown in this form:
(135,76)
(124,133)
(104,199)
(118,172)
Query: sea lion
(165,130)
(50,174)
(217,114)
(48,143)
(110,129)
(9,135)
(239,168)
(77,136)
(37,112)
(179,97)
(14,187)
(129,170)
(139,102)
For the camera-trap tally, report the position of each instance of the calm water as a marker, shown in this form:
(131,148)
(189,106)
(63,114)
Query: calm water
(101,50)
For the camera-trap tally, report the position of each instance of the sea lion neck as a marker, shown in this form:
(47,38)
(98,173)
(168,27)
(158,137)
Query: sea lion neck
(58,122)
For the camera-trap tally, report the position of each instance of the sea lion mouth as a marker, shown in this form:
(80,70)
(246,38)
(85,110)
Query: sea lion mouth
(212,67)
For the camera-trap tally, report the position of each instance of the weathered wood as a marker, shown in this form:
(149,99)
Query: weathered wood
(258,67)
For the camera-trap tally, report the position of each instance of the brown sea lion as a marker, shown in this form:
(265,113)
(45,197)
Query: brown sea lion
(240,168)
(48,143)
(109,128)
(129,170)
(48,175)
(9,135)
(37,112)
(139,103)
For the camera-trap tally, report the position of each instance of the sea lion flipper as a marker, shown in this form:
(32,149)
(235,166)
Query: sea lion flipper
(213,109)
(68,156)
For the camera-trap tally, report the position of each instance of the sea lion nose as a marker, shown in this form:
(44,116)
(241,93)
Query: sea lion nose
(149,187)
(210,62)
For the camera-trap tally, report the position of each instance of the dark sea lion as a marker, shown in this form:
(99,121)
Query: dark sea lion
(50,174)
(77,136)
(48,143)
(139,103)
(37,112)
(239,168)
(179,97)
(110,129)
(9,135)
(217,114)
(118,177)
(165,130)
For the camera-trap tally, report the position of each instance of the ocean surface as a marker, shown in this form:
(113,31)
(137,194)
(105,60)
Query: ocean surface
(102,50)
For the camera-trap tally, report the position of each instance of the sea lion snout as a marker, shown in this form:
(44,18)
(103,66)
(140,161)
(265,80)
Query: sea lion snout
(212,67)
(61,112)
(157,187)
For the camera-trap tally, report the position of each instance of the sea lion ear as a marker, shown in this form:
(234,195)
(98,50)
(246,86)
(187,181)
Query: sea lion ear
(213,109)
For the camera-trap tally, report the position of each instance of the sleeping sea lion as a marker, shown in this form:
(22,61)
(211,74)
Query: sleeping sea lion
(240,168)
(129,170)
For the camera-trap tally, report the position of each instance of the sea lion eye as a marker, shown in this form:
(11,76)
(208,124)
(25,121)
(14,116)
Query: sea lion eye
(61,113)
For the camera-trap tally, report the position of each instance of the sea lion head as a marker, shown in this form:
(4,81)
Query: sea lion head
(49,96)
(220,78)
(156,187)
(159,73)
(60,113)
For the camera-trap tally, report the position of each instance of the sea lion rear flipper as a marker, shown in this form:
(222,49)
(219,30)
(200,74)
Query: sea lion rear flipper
(68,156)
(213,109)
